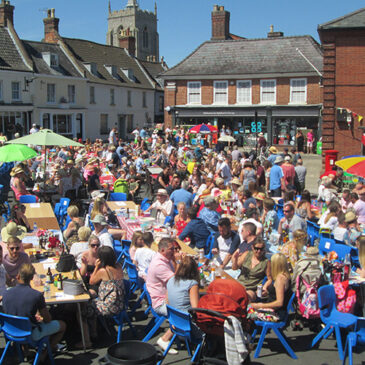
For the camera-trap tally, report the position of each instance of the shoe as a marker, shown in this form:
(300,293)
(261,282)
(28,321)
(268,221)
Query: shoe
(163,344)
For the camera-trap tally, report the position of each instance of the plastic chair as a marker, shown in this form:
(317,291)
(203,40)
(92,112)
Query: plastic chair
(326,243)
(18,330)
(64,204)
(180,325)
(145,204)
(122,316)
(27,199)
(167,221)
(118,249)
(118,197)
(279,207)
(67,222)
(133,277)
(331,317)
(312,231)
(341,250)
(277,327)
(355,338)
(209,246)
(156,321)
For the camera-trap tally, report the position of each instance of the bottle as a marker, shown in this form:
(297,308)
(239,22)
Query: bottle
(259,291)
(212,273)
(59,282)
(35,227)
(202,279)
(201,256)
(47,290)
(49,276)
(74,276)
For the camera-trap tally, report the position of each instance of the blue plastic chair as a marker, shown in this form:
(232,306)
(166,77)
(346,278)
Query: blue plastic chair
(342,250)
(118,197)
(167,221)
(326,243)
(277,327)
(27,199)
(279,207)
(145,204)
(118,249)
(64,204)
(18,330)
(67,222)
(156,321)
(312,231)
(134,279)
(355,338)
(126,244)
(122,316)
(180,325)
(209,246)
(332,318)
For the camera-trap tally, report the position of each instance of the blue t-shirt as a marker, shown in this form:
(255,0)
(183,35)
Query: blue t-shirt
(182,195)
(210,218)
(276,173)
(178,293)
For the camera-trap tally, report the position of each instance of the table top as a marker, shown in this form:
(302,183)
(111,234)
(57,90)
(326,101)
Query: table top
(57,296)
(184,247)
(120,205)
(42,214)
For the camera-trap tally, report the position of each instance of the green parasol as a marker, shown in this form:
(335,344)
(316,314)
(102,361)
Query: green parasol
(11,152)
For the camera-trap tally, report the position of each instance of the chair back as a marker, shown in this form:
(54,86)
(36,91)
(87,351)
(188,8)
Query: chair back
(326,243)
(360,330)
(15,327)
(27,199)
(326,301)
(131,270)
(209,246)
(179,321)
(342,250)
(118,197)
(145,204)
(312,231)
(279,207)
(67,222)
(64,203)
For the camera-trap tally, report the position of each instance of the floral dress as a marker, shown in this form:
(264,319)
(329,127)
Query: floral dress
(180,225)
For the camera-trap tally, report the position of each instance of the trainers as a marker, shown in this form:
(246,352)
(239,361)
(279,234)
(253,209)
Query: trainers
(163,344)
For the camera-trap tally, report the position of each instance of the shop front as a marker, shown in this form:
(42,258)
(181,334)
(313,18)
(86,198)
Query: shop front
(15,119)
(279,124)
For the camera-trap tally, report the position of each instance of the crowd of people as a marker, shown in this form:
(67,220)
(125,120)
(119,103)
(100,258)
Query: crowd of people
(201,192)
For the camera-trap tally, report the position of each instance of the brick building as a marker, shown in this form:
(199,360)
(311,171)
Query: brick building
(233,81)
(343,42)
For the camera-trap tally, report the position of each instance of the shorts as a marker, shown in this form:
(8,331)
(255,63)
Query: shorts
(309,143)
(161,310)
(45,329)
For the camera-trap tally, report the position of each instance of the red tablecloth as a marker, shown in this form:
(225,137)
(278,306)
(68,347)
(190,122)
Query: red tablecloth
(130,227)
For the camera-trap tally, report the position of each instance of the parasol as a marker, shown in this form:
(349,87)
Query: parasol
(354,165)
(227,139)
(203,129)
(11,152)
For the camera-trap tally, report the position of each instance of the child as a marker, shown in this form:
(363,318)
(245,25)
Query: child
(144,255)
(136,242)
(269,218)
(340,230)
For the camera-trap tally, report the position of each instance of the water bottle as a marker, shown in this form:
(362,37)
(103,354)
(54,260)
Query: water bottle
(47,290)
(35,227)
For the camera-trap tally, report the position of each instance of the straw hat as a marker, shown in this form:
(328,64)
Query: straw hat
(99,218)
(92,160)
(13,230)
(236,181)
(162,192)
(350,217)
(70,162)
(16,170)
(273,149)
(312,251)
(260,196)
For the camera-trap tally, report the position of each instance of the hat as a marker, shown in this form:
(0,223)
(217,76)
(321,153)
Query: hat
(260,196)
(97,194)
(79,159)
(286,158)
(155,131)
(220,158)
(13,230)
(92,160)
(261,134)
(350,217)
(312,251)
(70,162)
(279,159)
(273,149)
(209,200)
(162,192)
(34,125)
(16,170)
(99,219)
(236,181)
(219,181)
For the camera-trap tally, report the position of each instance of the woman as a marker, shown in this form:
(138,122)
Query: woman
(181,219)
(17,182)
(76,222)
(260,173)
(329,218)
(361,247)
(248,174)
(89,257)
(163,178)
(82,244)
(279,292)
(293,249)
(300,140)
(136,242)
(254,267)
(17,215)
(195,179)
(303,207)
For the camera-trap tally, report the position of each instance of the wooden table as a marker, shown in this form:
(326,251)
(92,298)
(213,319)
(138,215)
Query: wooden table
(184,248)
(114,206)
(42,214)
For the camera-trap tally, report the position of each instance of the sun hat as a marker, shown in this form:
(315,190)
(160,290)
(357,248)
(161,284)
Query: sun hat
(279,159)
(16,170)
(236,181)
(92,160)
(260,196)
(273,149)
(287,158)
(99,219)
(13,230)
(162,192)
(70,162)
(219,181)
(350,217)
(312,251)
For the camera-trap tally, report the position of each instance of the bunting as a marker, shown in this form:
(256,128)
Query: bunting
(354,115)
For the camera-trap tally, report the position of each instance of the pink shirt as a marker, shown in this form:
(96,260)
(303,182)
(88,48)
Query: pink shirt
(309,137)
(359,207)
(159,273)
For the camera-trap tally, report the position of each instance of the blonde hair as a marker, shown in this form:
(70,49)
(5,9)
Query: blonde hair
(73,211)
(26,273)
(136,235)
(361,244)
(97,208)
(84,233)
(300,239)
(279,265)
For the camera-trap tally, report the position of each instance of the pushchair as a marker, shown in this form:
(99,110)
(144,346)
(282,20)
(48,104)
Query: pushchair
(223,298)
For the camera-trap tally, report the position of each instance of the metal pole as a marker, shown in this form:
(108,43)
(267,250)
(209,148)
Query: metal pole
(256,130)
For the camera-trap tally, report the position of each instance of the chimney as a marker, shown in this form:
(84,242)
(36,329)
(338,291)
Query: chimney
(129,43)
(220,23)
(273,34)
(6,13)
(51,27)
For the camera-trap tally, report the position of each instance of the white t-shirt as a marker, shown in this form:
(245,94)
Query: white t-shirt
(339,233)
(77,249)
(105,238)
(143,257)
(167,205)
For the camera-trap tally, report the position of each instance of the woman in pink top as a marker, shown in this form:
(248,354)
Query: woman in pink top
(310,142)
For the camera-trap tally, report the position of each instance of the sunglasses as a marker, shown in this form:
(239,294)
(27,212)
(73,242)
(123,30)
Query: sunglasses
(93,245)
(286,211)
(259,248)
(14,248)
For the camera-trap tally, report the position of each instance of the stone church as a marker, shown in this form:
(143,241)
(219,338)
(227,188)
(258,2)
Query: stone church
(134,29)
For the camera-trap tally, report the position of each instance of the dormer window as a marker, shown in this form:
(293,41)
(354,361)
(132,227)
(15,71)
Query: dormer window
(112,70)
(54,60)
(129,73)
(51,59)
(92,68)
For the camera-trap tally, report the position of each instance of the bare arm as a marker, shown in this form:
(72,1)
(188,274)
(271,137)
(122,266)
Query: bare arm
(237,259)
(194,296)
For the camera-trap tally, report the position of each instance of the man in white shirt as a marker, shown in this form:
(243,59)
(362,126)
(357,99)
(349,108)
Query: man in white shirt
(113,137)
(34,129)
(101,231)
(163,206)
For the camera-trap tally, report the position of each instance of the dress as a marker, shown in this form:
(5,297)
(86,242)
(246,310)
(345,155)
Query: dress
(180,225)
(251,277)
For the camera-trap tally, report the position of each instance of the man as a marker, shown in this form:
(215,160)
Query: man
(359,207)
(113,136)
(24,301)
(94,180)
(225,243)
(289,173)
(248,233)
(160,271)
(182,195)
(101,231)
(143,133)
(63,154)
(224,171)
(236,154)
(277,184)
(273,153)
(174,184)
(301,172)
(209,214)
(34,129)
(346,200)
(296,156)
(290,222)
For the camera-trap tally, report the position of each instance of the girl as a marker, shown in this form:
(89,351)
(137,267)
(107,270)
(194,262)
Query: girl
(137,241)
(144,255)
(293,248)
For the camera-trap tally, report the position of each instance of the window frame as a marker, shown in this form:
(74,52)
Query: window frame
(92,95)
(71,93)
(112,96)
(215,92)
(262,92)
(19,97)
(1,91)
(103,129)
(129,97)
(250,92)
(189,92)
(305,90)
(49,101)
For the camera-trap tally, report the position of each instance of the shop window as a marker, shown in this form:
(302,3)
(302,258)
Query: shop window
(220,92)
(103,123)
(194,92)
(244,92)
(15,91)
(284,132)
(268,91)
(62,124)
(298,91)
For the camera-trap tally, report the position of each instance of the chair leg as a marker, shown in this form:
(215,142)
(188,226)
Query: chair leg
(188,346)
(261,341)
(339,342)
(196,353)
(284,341)
(254,334)
(157,325)
(50,355)
(167,349)
(320,335)
(19,351)
(4,352)
(328,334)
(126,317)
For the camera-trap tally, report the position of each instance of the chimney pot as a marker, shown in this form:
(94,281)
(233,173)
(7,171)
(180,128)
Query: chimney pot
(6,13)
(52,13)
(220,23)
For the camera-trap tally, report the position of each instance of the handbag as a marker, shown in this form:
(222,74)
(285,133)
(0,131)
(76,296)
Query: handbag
(66,263)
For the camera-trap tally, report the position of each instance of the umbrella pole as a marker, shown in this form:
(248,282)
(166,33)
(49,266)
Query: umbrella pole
(45,168)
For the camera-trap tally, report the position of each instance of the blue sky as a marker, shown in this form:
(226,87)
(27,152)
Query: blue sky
(183,24)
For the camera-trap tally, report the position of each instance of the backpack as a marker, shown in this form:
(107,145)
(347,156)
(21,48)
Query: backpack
(308,304)
(121,186)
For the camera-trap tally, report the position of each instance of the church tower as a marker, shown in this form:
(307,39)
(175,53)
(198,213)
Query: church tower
(134,22)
